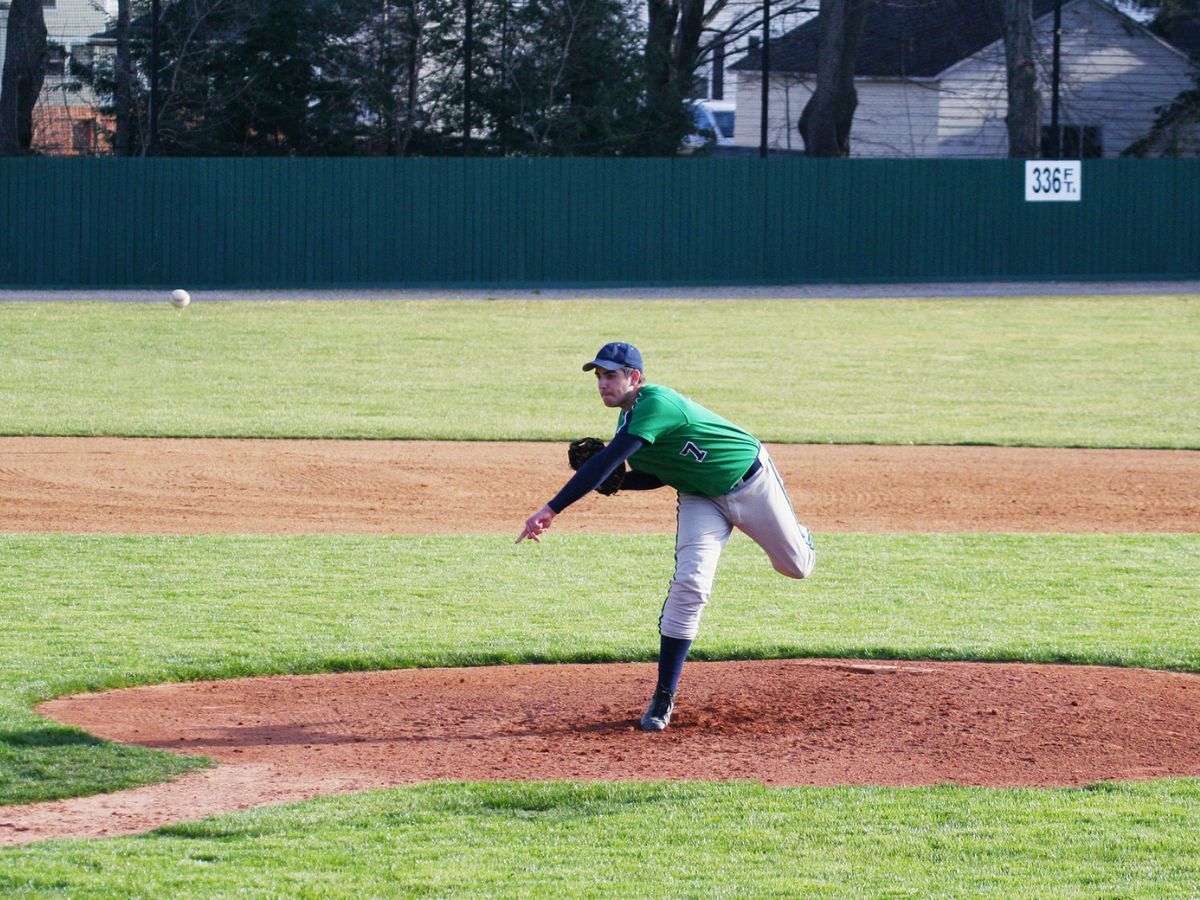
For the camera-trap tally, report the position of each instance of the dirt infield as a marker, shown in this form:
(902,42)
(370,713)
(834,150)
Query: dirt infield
(142,486)
(789,722)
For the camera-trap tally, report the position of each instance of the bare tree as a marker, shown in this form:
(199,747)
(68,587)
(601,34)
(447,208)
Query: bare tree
(24,71)
(681,36)
(825,122)
(1024,102)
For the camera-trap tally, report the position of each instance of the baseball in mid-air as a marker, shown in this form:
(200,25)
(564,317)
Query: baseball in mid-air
(180,298)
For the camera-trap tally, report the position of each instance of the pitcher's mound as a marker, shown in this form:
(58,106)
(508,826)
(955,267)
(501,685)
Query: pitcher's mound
(782,722)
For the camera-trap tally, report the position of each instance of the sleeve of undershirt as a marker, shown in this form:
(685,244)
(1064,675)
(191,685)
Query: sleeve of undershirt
(640,481)
(593,472)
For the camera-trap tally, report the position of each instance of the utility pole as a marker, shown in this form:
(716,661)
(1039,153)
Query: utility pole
(468,39)
(766,77)
(155,13)
(1055,73)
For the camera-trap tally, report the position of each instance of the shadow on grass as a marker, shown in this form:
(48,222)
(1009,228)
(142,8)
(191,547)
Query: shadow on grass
(59,763)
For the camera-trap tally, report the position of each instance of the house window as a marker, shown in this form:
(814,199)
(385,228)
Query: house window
(1077,142)
(83,135)
(56,60)
(82,55)
(49,4)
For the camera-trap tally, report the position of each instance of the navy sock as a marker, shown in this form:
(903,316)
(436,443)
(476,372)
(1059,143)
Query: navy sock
(671,654)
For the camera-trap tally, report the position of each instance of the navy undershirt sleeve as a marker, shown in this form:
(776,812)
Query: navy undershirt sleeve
(640,481)
(593,472)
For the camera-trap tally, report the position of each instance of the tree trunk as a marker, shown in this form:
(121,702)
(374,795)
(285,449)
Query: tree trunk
(1024,103)
(666,124)
(24,71)
(660,33)
(687,43)
(825,122)
(123,97)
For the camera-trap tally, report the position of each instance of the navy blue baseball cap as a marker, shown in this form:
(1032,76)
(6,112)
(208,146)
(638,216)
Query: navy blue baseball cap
(617,355)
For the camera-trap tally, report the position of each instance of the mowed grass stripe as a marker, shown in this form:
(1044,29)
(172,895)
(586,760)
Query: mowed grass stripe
(92,612)
(688,840)
(1068,371)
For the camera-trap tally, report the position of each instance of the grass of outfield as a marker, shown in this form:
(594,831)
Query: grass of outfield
(90,612)
(1103,371)
(662,840)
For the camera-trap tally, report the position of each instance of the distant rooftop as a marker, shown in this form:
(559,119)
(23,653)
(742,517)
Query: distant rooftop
(901,38)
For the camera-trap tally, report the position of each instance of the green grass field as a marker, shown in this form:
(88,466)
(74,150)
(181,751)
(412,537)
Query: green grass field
(83,612)
(637,840)
(1105,371)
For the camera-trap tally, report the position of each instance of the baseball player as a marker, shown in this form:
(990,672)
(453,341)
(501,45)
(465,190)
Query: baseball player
(725,479)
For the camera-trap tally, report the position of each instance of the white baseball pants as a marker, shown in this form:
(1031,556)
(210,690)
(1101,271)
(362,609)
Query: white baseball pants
(759,507)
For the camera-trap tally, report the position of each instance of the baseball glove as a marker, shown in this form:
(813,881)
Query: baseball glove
(581,450)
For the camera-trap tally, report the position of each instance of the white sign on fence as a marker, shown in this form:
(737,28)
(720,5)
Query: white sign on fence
(1053,179)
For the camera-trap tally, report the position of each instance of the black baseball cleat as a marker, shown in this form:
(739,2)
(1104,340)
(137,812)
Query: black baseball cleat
(658,714)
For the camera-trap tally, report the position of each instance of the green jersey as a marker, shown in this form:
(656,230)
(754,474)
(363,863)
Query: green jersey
(687,446)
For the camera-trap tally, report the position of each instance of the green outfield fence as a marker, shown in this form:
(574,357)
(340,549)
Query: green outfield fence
(208,223)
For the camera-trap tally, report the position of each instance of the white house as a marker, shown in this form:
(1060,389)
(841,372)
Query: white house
(65,120)
(734,30)
(931,80)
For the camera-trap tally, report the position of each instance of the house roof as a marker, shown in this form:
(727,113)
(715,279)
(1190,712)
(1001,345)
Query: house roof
(1185,35)
(900,39)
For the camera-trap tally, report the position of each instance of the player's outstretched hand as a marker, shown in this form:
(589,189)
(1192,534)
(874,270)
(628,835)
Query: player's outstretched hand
(537,523)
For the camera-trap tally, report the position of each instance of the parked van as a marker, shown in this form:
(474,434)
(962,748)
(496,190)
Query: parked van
(714,122)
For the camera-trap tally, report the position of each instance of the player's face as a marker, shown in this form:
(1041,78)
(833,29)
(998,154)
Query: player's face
(618,388)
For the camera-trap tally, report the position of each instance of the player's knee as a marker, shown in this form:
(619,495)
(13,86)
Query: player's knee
(796,565)
(795,568)
(681,612)
(686,596)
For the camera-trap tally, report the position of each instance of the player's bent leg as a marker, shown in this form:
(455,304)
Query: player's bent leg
(701,534)
(763,510)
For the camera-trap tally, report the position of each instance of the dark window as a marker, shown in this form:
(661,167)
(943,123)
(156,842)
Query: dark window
(49,4)
(56,61)
(83,135)
(1076,141)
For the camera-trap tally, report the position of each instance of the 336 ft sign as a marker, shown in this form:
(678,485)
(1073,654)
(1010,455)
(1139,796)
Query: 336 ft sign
(1053,179)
